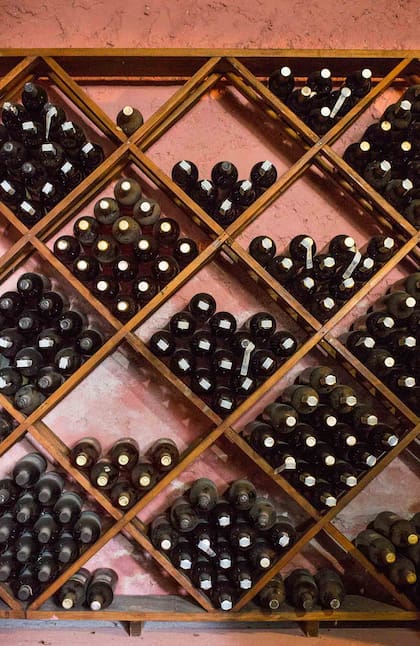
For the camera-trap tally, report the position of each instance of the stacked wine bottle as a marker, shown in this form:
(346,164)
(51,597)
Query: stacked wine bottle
(123,473)
(386,339)
(83,589)
(43,155)
(304,591)
(320,436)
(391,543)
(223,544)
(388,155)
(324,281)
(126,252)
(219,363)
(42,526)
(224,197)
(42,341)
(7,424)
(317,103)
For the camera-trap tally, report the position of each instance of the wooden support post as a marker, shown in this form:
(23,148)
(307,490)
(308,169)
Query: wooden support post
(132,628)
(310,628)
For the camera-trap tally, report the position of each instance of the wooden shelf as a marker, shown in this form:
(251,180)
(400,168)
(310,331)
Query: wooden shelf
(197,71)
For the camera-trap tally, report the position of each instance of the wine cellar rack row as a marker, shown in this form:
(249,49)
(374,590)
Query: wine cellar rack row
(197,72)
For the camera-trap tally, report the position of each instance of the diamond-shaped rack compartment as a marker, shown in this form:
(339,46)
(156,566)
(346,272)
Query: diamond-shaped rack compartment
(26,197)
(227,110)
(399,273)
(216,463)
(49,557)
(226,278)
(402,150)
(143,263)
(293,214)
(149,410)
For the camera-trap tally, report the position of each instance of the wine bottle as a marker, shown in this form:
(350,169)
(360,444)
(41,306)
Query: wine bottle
(85,268)
(224,174)
(127,192)
(301,589)
(11,341)
(105,249)
(281,82)
(68,507)
(129,119)
(26,547)
(282,534)
(104,474)
(86,230)
(29,323)
(26,509)
(26,585)
(262,555)
(203,494)
(72,593)
(87,528)
(263,174)
(302,249)
(242,535)
(182,515)
(322,379)
(261,437)
(184,251)
(242,494)
(342,399)
(8,565)
(124,453)
(146,212)
(282,268)
(203,573)
(9,528)
(49,488)
(66,548)
(399,305)
(123,495)
(263,363)
(144,475)
(242,575)
(262,249)
(222,513)
(381,248)
(283,344)
(263,513)
(377,324)
(330,587)
(399,530)
(9,492)
(29,361)
(106,211)
(67,361)
(47,566)
(380,361)
(85,453)
(378,174)
(224,553)
(378,549)
(51,304)
(185,174)
(360,456)
(101,587)
(303,399)
(90,156)
(261,326)
(31,286)
(29,469)
(223,594)
(244,193)
(126,231)
(273,594)
(163,454)
(162,534)
(358,155)
(165,268)
(342,474)
(10,381)
(320,81)
(46,529)
(323,494)
(402,572)
(359,342)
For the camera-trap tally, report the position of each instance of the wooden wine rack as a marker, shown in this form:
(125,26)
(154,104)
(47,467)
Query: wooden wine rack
(199,71)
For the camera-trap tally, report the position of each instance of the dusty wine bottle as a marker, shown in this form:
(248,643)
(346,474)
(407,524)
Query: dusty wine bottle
(49,488)
(203,494)
(273,594)
(87,528)
(162,534)
(129,119)
(68,507)
(101,587)
(330,587)
(29,469)
(72,593)
(400,531)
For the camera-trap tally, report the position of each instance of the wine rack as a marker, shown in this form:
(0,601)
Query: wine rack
(197,73)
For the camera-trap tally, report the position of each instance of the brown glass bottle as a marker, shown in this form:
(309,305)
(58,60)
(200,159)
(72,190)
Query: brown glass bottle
(124,453)
(183,517)
(85,453)
(203,494)
(162,534)
(330,587)
(164,454)
(101,587)
(104,474)
(400,532)
(123,495)
(303,399)
(144,475)
(72,593)
(242,494)
(273,595)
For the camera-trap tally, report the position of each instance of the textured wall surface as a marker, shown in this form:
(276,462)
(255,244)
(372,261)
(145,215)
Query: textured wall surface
(222,125)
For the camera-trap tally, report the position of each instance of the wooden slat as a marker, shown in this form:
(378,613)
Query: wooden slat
(18,74)
(8,598)
(192,89)
(174,608)
(177,113)
(83,101)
